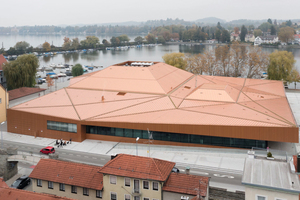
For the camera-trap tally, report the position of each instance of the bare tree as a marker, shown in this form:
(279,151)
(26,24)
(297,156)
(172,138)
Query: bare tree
(257,62)
(239,59)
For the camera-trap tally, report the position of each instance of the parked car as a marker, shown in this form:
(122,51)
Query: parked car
(21,182)
(175,169)
(61,75)
(68,73)
(47,150)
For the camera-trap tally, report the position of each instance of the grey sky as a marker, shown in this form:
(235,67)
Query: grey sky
(70,12)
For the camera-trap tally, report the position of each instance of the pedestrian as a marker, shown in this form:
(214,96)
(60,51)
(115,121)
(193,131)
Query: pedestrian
(70,140)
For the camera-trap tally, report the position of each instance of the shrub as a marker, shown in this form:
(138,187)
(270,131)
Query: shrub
(269,155)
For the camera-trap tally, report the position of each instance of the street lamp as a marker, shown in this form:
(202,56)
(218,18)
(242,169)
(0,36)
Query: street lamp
(1,135)
(137,139)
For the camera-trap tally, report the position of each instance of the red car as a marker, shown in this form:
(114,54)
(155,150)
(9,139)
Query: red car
(47,150)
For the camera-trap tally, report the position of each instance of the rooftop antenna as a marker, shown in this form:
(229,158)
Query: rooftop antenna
(150,138)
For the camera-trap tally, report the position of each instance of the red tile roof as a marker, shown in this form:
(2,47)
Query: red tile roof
(69,173)
(2,60)
(138,167)
(186,184)
(2,183)
(7,193)
(22,92)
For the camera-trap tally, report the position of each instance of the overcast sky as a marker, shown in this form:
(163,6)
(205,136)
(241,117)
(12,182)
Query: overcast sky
(70,12)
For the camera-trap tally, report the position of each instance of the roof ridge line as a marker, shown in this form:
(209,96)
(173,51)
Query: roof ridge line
(184,82)
(241,90)
(157,168)
(72,103)
(282,118)
(21,108)
(124,108)
(84,77)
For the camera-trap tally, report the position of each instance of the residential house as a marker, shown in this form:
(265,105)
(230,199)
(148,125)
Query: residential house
(8,193)
(3,103)
(270,179)
(24,94)
(269,39)
(212,41)
(135,177)
(297,38)
(67,179)
(184,186)
(2,77)
(249,38)
(235,37)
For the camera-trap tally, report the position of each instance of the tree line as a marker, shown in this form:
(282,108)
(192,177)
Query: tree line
(238,60)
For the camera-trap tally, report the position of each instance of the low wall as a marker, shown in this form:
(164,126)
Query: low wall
(223,194)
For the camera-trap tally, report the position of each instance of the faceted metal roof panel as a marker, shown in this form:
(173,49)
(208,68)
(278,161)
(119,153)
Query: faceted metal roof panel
(164,94)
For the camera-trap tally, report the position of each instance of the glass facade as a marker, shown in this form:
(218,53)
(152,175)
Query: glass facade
(60,126)
(177,137)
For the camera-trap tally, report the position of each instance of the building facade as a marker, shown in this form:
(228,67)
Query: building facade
(2,77)
(4,103)
(124,101)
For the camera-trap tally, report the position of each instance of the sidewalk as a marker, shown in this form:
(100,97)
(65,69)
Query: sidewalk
(203,158)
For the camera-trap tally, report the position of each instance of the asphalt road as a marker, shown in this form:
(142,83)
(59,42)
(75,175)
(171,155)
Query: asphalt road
(231,181)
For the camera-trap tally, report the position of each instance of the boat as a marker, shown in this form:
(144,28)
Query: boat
(60,66)
(52,65)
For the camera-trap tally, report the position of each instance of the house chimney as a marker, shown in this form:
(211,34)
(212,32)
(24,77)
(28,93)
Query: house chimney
(187,170)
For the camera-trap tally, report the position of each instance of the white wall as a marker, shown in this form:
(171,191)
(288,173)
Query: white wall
(252,192)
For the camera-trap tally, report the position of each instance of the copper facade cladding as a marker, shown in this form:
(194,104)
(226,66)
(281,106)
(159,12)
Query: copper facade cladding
(162,98)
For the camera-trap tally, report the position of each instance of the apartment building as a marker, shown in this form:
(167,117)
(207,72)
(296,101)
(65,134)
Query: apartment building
(67,179)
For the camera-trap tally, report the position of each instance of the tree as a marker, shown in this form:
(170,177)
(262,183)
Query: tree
(175,59)
(46,46)
(219,26)
(90,42)
(269,21)
(294,77)
(239,59)
(150,38)
(75,43)
(21,72)
(49,81)
(244,31)
(223,57)
(77,70)
(105,42)
(196,64)
(257,32)
(285,34)
(225,37)
(161,40)
(114,41)
(281,65)
(139,39)
(289,23)
(21,46)
(218,35)
(236,30)
(257,62)
(273,30)
(265,26)
(67,43)
(123,38)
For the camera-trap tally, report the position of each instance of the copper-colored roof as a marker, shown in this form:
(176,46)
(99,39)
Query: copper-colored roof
(2,61)
(22,92)
(187,184)
(69,173)
(138,167)
(7,193)
(164,94)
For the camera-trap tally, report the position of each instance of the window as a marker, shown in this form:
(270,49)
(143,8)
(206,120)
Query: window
(39,182)
(146,199)
(0,100)
(127,196)
(155,186)
(113,179)
(60,126)
(146,185)
(276,198)
(50,184)
(62,187)
(127,182)
(113,196)
(136,198)
(86,191)
(98,193)
(74,189)
(259,197)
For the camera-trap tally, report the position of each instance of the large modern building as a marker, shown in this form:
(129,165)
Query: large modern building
(123,101)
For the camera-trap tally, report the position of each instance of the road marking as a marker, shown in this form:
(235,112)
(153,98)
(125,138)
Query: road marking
(78,155)
(223,176)
(86,156)
(94,158)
